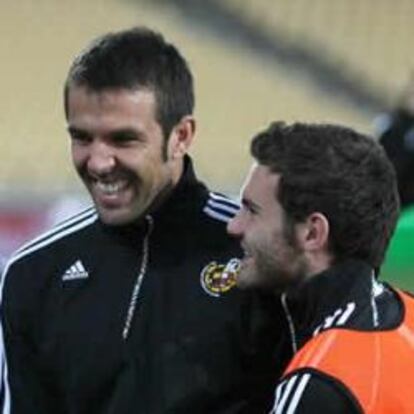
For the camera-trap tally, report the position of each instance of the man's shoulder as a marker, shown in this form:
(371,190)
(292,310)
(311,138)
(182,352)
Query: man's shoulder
(219,208)
(58,238)
(308,390)
(208,231)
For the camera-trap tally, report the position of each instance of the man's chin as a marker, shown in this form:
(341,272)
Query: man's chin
(247,280)
(116,217)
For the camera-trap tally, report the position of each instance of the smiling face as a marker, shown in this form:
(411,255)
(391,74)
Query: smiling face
(273,258)
(118,150)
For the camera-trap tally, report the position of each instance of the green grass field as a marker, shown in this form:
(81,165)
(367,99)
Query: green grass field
(398,268)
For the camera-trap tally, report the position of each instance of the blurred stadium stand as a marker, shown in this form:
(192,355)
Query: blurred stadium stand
(369,39)
(254,61)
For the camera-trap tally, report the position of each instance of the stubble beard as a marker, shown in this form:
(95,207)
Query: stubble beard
(274,270)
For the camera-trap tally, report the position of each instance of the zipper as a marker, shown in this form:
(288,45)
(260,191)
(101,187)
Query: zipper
(138,282)
(292,330)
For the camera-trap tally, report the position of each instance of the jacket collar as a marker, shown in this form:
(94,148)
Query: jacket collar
(185,199)
(325,293)
(188,196)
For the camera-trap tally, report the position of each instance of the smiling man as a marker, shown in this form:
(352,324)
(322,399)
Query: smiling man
(130,306)
(119,151)
(272,258)
(318,210)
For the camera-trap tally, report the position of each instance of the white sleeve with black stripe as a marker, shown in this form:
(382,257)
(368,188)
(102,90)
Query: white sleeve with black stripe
(309,392)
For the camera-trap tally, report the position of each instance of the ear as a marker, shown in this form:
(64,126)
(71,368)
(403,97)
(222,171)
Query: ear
(313,234)
(181,137)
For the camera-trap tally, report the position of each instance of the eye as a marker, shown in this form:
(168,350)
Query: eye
(250,208)
(80,137)
(123,138)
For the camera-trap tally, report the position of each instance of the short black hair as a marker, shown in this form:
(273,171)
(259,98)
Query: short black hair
(340,173)
(133,59)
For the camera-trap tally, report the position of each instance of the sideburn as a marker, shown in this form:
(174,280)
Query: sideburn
(164,148)
(289,232)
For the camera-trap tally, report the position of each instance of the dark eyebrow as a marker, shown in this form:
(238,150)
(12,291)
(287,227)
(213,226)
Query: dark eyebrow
(127,134)
(127,131)
(73,130)
(117,133)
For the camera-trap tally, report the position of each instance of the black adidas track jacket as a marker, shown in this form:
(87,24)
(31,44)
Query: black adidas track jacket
(135,319)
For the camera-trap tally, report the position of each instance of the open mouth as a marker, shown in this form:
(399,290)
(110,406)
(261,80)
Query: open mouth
(113,193)
(110,188)
(247,259)
(246,253)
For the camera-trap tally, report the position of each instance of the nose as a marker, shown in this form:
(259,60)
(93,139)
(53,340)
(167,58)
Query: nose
(102,159)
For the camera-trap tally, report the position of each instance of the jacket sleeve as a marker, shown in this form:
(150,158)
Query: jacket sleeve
(4,386)
(23,384)
(309,392)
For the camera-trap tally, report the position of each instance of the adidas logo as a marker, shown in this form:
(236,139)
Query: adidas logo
(76,271)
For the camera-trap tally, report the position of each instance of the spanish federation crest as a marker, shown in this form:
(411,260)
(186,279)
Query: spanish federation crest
(217,279)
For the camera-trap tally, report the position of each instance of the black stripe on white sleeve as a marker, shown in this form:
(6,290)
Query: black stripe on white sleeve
(220,207)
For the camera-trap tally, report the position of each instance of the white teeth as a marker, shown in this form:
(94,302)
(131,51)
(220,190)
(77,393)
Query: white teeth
(109,188)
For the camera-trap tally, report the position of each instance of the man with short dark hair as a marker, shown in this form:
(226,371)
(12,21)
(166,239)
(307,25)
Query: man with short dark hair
(129,307)
(318,210)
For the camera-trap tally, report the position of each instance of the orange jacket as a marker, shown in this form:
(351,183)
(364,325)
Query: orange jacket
(376,366)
